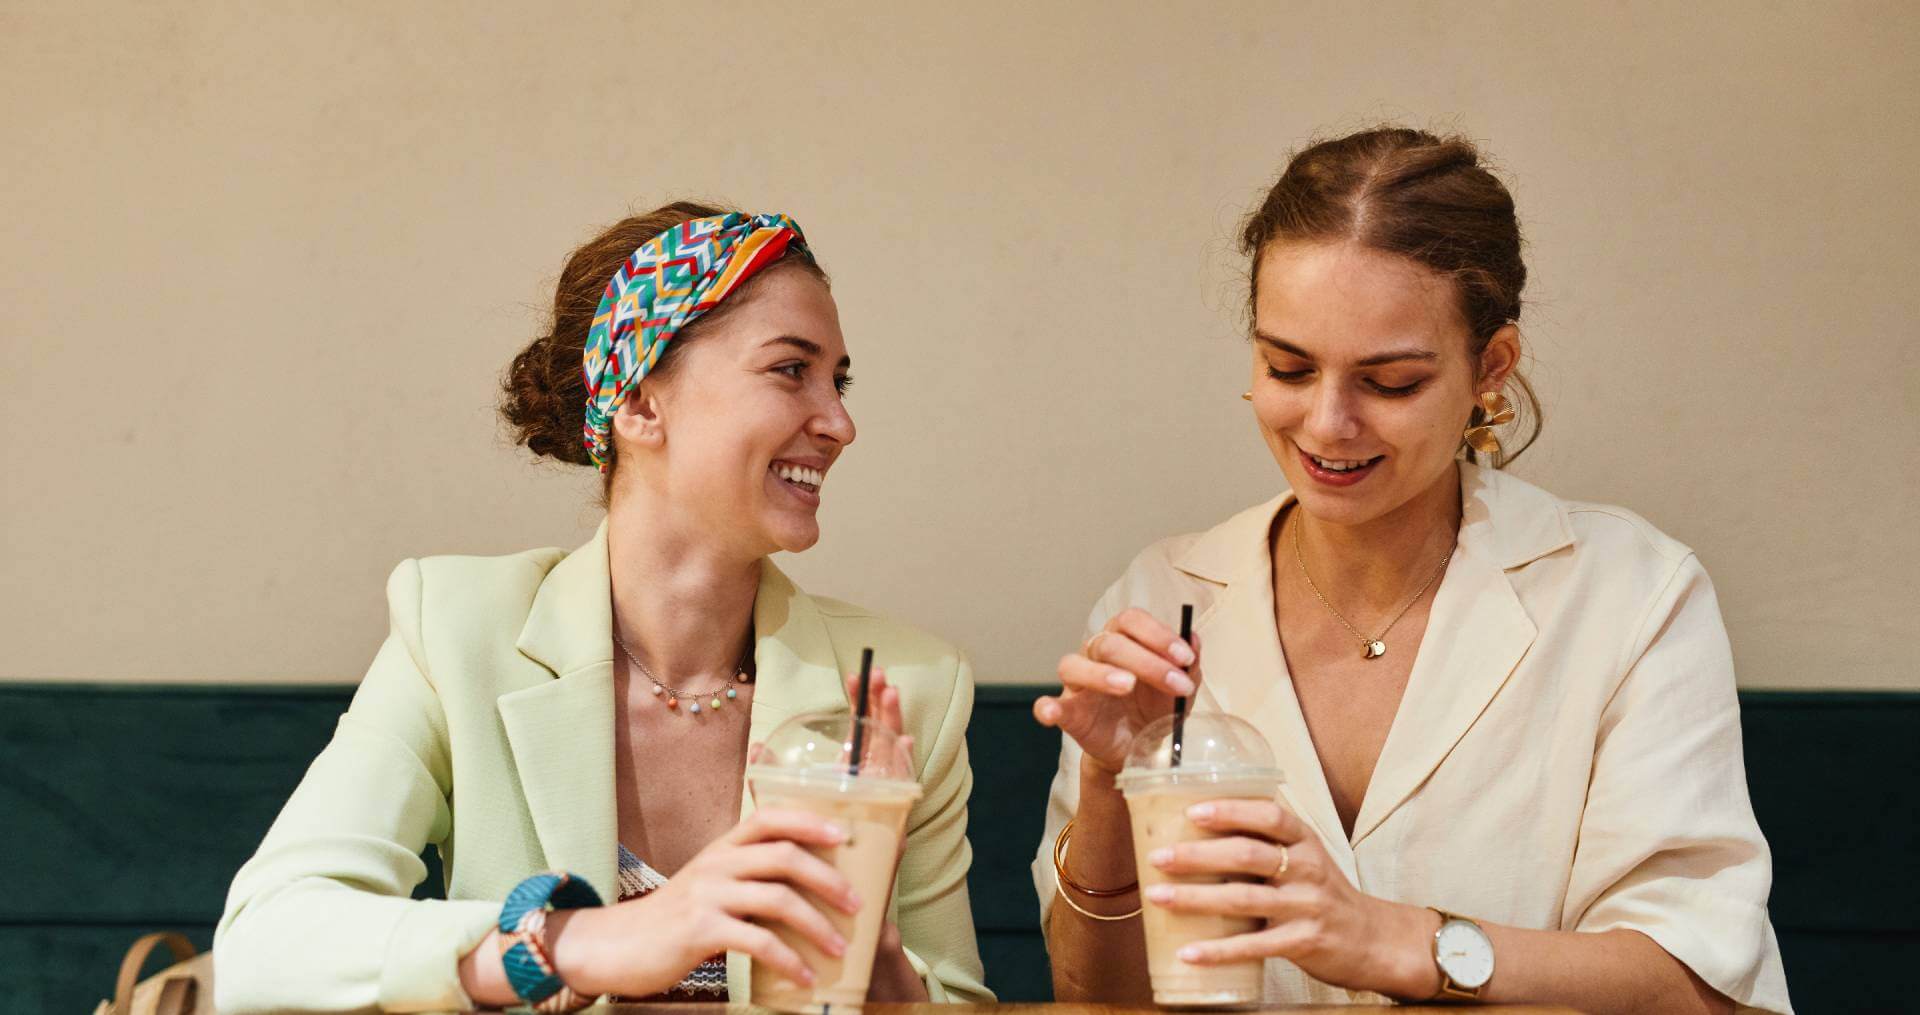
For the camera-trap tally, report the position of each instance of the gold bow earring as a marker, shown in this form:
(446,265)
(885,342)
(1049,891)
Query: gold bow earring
(1246,396)
(1495,410)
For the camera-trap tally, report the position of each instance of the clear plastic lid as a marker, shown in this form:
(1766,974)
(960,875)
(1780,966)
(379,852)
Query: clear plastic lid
(1215,749)
(817,748)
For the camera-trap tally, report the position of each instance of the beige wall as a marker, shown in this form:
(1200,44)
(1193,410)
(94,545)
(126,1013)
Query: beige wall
(264,263)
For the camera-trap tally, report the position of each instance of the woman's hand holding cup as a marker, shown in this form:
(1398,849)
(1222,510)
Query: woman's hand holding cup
(722,900)
(1280,874)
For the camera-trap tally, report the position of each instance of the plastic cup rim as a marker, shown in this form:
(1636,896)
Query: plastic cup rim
(835,776)
(1195,775)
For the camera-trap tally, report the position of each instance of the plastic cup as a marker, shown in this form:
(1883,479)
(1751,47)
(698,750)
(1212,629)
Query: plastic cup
(806,765)
(1220,757)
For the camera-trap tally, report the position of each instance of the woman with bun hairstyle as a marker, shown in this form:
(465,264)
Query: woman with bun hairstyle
(590,712)
(1507,721)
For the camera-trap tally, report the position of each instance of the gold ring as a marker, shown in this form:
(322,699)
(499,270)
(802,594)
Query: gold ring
(1285,859)
(1086,647)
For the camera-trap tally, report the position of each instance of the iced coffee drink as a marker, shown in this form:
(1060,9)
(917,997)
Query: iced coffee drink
(1219,757)
(806,766)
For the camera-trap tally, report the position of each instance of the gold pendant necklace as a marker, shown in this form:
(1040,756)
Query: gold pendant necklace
(1376,646)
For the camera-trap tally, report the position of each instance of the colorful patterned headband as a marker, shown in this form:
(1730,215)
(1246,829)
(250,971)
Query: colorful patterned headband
(667,283)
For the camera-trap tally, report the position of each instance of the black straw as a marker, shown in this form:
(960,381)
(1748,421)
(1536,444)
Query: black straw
(860,712)
(1180,702)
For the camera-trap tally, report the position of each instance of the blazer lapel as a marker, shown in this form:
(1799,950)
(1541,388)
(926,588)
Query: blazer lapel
(561,730)
(796,667)
(1477,633)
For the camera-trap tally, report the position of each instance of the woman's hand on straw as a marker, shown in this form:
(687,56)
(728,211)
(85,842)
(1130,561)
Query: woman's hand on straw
(1123,677)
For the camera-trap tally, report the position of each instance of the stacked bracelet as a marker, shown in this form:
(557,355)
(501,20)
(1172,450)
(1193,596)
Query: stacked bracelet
(1066,882)
(523,947)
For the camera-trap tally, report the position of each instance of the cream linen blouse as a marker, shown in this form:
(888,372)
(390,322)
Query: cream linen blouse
(1567,755)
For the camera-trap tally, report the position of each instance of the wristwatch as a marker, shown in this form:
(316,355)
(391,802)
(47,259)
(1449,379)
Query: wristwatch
(1464,954)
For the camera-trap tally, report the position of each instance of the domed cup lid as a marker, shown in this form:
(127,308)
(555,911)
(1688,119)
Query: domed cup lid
(816,749)
(1216,750)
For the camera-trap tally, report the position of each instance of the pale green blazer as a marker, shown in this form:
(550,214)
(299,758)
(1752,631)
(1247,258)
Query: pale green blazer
(485,727)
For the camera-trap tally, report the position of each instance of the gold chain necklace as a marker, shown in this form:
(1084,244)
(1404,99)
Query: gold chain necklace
(1376,646)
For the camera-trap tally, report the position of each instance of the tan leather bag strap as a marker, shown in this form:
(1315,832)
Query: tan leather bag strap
(177,996)
(136,960)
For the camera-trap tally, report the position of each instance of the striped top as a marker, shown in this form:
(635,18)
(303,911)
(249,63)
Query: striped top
(708,980)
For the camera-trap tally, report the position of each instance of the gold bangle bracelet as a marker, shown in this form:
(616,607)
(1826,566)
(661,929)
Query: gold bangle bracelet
(1068,899)
(1066,881)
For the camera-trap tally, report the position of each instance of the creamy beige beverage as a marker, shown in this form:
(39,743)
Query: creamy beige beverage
(805,767)
(1160,819)
(1214,756)
(874,812)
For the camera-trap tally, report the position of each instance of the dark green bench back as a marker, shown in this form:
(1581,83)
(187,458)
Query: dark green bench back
(128,808)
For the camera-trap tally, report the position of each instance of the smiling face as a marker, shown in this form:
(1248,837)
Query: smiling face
(734,441)
(1364,377)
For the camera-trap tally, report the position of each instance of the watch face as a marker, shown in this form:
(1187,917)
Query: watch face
(1465,954)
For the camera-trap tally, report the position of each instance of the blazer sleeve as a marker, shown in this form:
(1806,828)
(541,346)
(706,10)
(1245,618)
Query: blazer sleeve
(320,918)
(931,906)
(1668,844)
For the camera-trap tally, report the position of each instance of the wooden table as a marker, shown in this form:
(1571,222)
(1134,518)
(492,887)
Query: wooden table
(1045,1010)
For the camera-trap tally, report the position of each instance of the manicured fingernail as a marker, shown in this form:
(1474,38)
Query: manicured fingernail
(1178,683)
(1160,857)
(837,833)
(806,976)
(839,946)
(853,902)
(1200,812)
(1181,653)
(1159,893)
(1188,954)
(1120,680)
